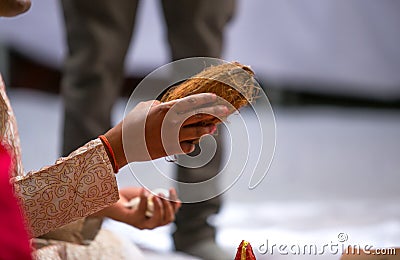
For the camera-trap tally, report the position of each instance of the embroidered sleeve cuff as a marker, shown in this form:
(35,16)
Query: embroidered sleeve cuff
(74,187)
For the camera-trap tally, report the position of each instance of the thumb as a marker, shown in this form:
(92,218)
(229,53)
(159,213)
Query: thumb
(143,203)
(187,147)
(155,103)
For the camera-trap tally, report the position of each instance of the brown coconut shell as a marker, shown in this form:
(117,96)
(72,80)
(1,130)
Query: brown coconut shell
(232,82)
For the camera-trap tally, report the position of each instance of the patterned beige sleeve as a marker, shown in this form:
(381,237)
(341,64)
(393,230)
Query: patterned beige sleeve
(74,187)
(9,132)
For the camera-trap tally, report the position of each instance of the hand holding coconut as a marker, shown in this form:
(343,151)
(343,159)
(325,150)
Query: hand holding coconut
(142,128)
(186,112)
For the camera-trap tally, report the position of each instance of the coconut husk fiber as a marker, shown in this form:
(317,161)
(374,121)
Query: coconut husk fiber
(232,82)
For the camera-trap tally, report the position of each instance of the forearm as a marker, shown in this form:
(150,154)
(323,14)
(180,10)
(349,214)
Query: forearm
(75,187)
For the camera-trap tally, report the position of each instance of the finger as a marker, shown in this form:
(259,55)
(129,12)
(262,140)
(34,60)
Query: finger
(198,118)
(13,8)
(158,213)
(130,192)
(186,147)
(197,115)
(148,104)
(173,196)
(169,213)
(142,204)
(195,132)
(155,103)
(193,101)
(176,203)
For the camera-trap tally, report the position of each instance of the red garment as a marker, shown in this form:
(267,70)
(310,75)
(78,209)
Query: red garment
(14,241)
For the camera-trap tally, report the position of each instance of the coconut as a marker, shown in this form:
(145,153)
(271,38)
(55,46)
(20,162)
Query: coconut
(233,82)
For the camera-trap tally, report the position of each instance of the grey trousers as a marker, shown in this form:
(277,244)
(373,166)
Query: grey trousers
(98,36)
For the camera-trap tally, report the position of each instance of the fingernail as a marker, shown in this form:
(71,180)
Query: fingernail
(212,129)
(192,148)
(225,110)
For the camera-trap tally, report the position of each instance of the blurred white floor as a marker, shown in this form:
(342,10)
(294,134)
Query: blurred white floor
(335,171)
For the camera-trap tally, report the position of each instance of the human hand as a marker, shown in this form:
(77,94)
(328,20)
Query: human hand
(11,8)
(163,211)
(153,129)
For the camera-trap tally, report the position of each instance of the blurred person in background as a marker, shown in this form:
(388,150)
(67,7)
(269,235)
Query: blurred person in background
(98,35)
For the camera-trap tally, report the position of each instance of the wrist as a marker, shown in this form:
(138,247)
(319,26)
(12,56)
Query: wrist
(116,153)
